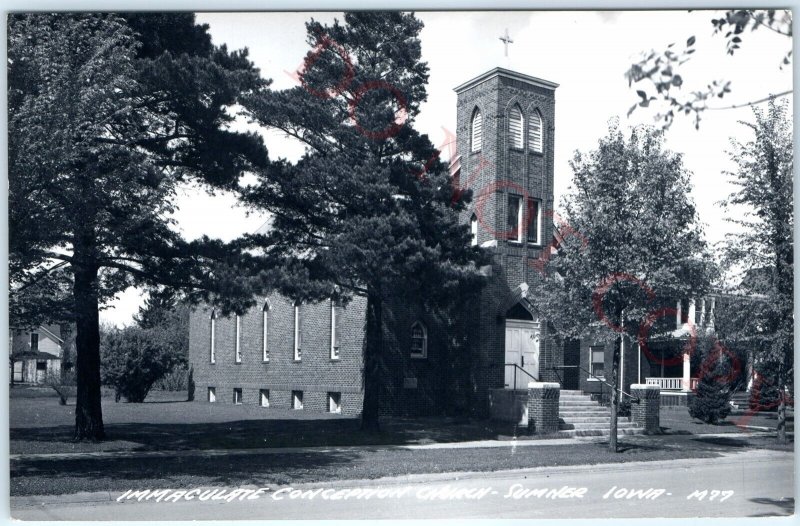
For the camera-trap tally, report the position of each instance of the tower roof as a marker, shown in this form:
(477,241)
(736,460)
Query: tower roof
(503,72)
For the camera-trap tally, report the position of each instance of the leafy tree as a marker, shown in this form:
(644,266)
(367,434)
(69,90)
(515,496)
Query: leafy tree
(367,211)
(760,251)
(107,114)
(133,360)
(638,246)
(662,69)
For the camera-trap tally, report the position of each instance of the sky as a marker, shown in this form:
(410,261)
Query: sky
(585,52)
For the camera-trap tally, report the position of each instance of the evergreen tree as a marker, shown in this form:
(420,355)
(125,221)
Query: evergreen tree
(634,246)
(367,211)
(711,400)
(107,114)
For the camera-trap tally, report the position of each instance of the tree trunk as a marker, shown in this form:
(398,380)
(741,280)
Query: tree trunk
(781,405)
(612,437)
(88,412)
(372,350)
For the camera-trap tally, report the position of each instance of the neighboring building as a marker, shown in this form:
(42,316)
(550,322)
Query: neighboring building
(310,356)
(36,354)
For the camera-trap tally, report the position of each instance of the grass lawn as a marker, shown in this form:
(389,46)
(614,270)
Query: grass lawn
(39,425)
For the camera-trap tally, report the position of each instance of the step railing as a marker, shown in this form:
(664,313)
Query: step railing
(602,381)
(517,367)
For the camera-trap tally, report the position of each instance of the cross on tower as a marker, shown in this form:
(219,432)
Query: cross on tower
(506,41)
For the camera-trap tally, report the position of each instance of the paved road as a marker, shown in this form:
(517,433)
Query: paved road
(761,482)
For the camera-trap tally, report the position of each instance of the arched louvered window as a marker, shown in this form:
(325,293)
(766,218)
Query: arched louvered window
(477,131)
(535,132)
(515,127)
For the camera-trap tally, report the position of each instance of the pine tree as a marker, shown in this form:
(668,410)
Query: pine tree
(368,210)
(107,115)
(711,400)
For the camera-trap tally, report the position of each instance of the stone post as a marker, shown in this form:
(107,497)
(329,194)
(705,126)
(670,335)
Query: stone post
(543,407)
(646,413)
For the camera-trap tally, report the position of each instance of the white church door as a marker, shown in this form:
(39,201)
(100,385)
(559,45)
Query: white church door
(522,349)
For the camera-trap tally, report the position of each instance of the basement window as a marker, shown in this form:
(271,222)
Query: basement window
(334,402)
(297,399)
(212,394)
(263,397)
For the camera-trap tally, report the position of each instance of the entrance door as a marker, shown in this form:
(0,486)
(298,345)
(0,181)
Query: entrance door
(522,348)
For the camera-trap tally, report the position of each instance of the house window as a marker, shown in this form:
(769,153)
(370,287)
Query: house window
(535,132)
(263,397)
(212,394)
(336,330)
(597,357)
(237,396)
(265,333)
(473,228)
(477,131)
(34,341)
(238,339)
(41,365)
(298,333)
(515,127)
(334,402)
(213,337)
(514,222)
(534,221)
(419,341)
(297,399)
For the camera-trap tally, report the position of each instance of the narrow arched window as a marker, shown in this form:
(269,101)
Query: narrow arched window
(477,131)
(515,127)
(213,330)
(535,133)
(419,340)
(238,341)
(473,229)
(265,332)
(336,329)
(298,332)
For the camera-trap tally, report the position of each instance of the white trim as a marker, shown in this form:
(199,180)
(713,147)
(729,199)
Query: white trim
(528,79)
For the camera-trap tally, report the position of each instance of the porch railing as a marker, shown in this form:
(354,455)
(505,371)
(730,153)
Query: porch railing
(671,384)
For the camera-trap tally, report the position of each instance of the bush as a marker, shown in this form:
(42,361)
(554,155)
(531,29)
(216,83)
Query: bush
(62,384)
(175,380)
(133,360)
(711,400)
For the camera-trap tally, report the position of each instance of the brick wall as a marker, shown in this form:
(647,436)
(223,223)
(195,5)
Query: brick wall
(543,400)
(316,374)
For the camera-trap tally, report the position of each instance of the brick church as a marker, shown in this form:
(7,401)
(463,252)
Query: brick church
(309,356)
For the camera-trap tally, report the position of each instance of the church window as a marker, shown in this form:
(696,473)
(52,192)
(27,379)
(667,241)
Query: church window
(535,132)
(336,330)
(298,332)
(515,127)
(238,342)
(265,333)
(514,222)
(213,330)
(534,221)
(477,131)
(419,340)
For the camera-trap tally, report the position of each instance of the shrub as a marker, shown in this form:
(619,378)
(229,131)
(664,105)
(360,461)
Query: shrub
(711,400)
(62,384)
(175,380)
(133,360)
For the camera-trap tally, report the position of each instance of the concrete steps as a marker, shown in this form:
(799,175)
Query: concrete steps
(579,415)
